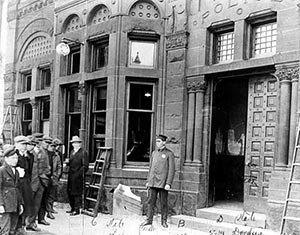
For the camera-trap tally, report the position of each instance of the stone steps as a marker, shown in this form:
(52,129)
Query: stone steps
(217,228)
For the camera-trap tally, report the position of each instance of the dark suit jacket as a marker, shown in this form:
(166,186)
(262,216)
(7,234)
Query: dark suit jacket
(78,165)
(10,196)
(162,168)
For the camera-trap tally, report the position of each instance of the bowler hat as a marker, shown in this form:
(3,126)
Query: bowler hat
(21,139)
(75,139)
(38,136)
(9,150)
(32,140)
(162,137)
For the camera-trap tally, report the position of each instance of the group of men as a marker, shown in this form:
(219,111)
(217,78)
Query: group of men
(35,175)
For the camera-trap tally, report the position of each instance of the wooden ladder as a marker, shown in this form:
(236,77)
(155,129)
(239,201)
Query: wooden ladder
(294,180)
(95,186)
(11,124)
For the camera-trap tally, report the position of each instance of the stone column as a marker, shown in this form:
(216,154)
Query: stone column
(284,76)
(293,118)
(190,126)
(201,87)
(35,123)
(82,130)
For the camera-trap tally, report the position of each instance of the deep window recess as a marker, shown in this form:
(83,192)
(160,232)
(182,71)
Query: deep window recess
(73,61)
(45,78)
(26,82)
(26,118)
(261,34)
(99,97)
(45,115)
(99,53)
(73,115)
(140,111)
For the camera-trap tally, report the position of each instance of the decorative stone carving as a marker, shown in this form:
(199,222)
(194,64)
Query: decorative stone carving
(144,10)
(176,41)
(82,88)
(196,85)
(34,7)
(287,73)
(34,103)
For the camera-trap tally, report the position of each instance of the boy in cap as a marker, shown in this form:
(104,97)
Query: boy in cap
(11,202)
(160,178)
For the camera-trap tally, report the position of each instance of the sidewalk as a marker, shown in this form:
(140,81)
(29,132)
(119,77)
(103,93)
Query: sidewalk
(63,224)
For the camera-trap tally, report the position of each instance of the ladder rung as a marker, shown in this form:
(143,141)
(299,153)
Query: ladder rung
(296,164)
(94,186)
(297,146)
(291,218)
(294,182)
(293,200)
(100,160)
(91,199)
(97,173)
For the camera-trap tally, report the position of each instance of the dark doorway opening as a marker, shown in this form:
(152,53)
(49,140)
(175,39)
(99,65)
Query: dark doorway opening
(227,150)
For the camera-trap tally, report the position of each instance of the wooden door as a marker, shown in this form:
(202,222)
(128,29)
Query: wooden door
(260,144)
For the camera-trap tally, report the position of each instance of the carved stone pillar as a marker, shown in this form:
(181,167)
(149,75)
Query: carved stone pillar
(82,130)
(196,89)
(293,116)
(284,76)
(190,126)
(35,123)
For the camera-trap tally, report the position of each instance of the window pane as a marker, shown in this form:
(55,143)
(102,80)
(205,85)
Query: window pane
(225,46)
(45,78)
(142,53)
(139,136)
(75,62)
(101,55)
(140,96)
(27,111)
(265,38)
(100,98)
(45,109)
(100,123)
(74,102)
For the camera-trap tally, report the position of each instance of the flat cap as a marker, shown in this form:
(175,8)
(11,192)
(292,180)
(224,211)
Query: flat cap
(9,150)
(21,139)
(47,139)
(162,137)
(33,140)
(57,141)
(75,139)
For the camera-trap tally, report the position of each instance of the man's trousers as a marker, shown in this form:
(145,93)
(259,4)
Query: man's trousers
(163,196)
(8,223)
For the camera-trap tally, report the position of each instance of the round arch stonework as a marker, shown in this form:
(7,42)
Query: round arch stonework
(99,14)
(145,10)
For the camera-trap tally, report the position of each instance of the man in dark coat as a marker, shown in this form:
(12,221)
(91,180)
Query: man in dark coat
(78,165)
(11,201)
(40,171)
(160,178)
(24,167)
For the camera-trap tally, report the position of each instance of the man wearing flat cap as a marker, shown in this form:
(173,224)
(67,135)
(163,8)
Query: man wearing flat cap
(24,167)
(11,201)
(159,180)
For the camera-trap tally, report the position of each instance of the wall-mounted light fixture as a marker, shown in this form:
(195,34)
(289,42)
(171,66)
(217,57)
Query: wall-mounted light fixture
(63,47)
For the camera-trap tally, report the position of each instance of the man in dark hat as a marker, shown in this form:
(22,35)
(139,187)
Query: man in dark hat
(160,178)
(11,201)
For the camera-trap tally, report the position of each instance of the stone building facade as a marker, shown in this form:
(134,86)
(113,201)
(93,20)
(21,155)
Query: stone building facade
(220,78)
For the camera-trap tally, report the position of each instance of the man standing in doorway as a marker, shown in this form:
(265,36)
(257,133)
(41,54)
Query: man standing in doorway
(159,181)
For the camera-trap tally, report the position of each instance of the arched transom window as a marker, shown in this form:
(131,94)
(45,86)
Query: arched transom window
(40,46)
(102,14)
(145,10)
(73,24)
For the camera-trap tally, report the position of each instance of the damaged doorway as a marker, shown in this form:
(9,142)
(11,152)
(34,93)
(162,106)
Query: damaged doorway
(227,145)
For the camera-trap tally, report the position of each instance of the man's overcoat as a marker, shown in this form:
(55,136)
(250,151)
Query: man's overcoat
(162,168)
(10,196)
(78,165)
